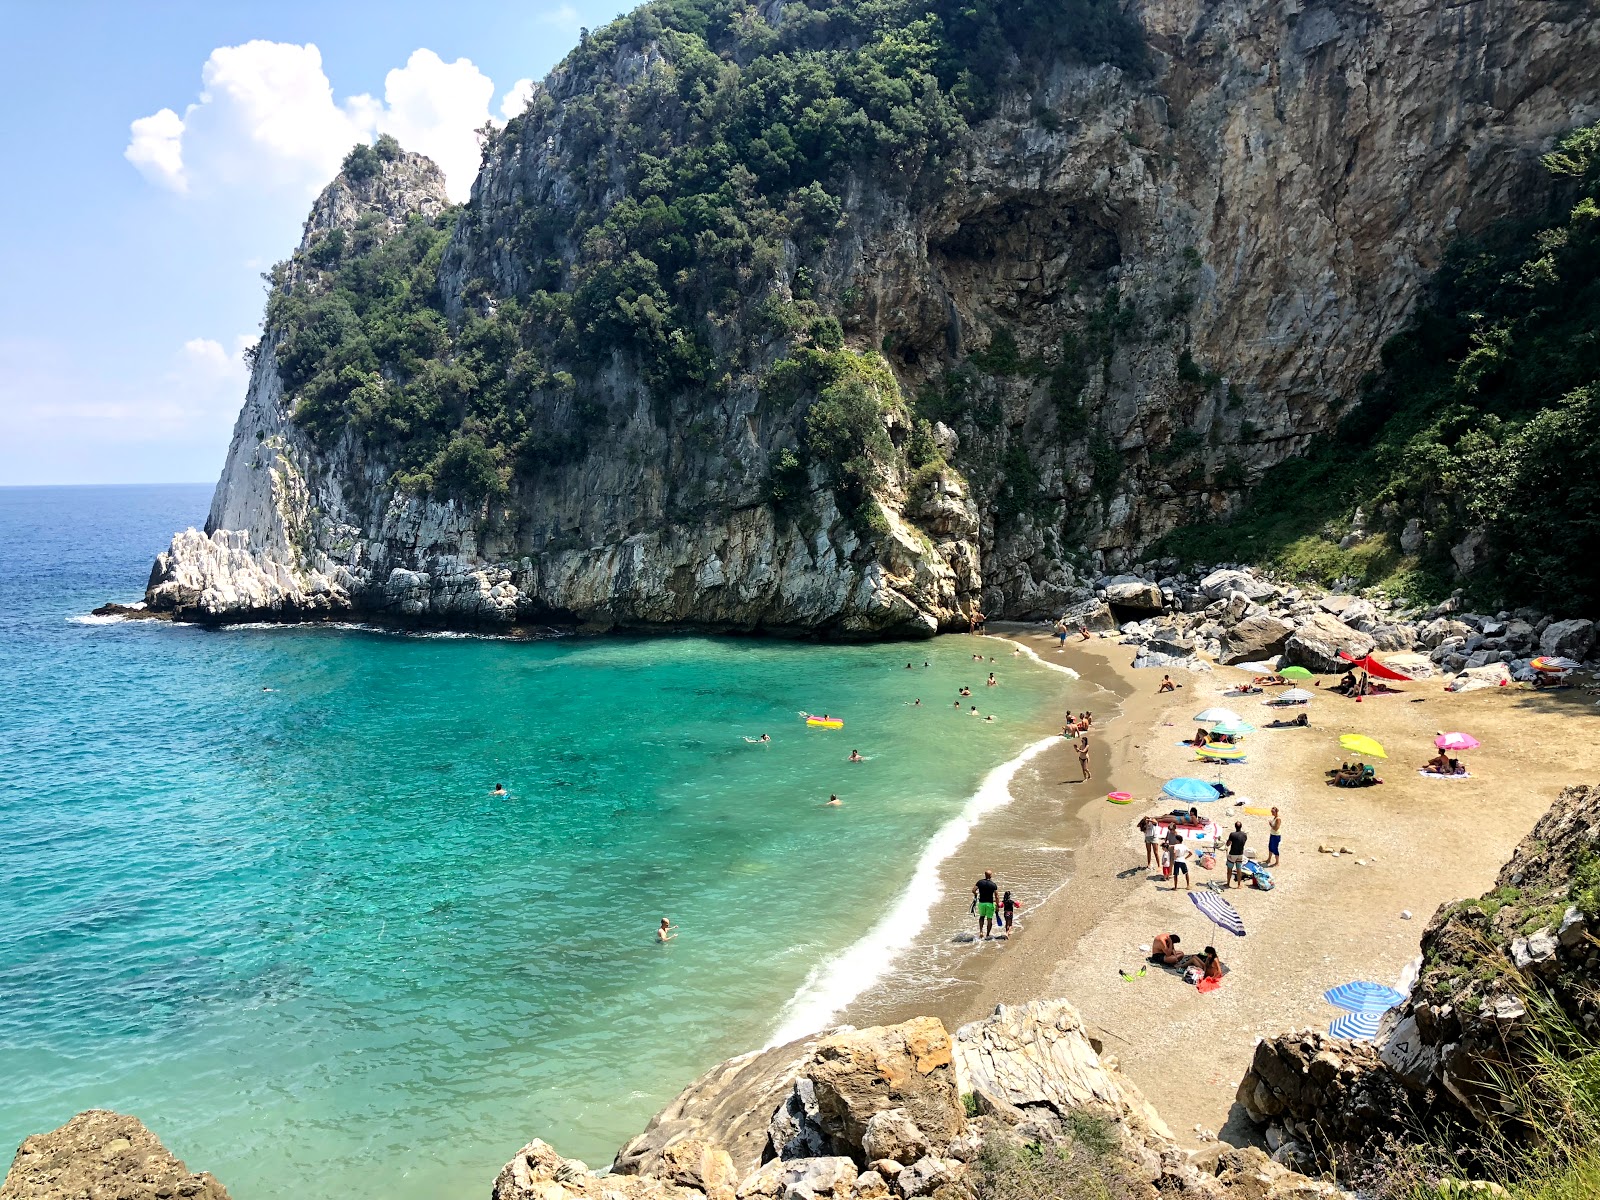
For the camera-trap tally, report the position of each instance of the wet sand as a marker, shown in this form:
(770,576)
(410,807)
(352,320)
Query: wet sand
(1077,863)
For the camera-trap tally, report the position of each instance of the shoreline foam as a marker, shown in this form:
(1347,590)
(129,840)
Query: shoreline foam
(837,981)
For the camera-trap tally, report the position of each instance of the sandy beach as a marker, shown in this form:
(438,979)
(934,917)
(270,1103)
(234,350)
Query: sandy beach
(1077,863)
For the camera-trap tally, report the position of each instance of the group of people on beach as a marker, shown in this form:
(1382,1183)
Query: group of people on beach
(992,908)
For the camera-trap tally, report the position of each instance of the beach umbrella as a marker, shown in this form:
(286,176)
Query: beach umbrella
(1189,790)
(1207,716)
(1546,663)
(1220,751)
(1362,996)
(1358,1026)
(1295,673)
(1218,911)
(1233,728)
(1294,696)
(1456,741)
(1360,743)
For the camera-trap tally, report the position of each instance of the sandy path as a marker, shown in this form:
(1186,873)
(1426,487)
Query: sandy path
(1416,843)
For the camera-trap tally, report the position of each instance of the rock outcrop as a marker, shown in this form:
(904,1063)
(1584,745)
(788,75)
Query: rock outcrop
(1471,1022)
(102,1155)
(908,1111)
(1224,242)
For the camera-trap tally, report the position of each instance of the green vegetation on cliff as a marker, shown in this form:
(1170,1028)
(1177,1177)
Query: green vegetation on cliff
(1484,420)
(704,157)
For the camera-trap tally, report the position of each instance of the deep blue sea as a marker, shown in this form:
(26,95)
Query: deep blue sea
(254,887)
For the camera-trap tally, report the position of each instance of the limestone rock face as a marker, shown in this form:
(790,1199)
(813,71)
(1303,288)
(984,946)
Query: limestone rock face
(907,1067)
(102,1155)
(1254,638)
(1260,213)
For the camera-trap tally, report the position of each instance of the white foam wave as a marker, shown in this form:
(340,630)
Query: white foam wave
(91,619)
(837,981)
(1043,662)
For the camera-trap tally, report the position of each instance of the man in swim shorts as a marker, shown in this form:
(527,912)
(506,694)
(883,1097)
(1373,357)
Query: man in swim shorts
(986,890)
(1236,841)
(1274,838)
(1164,949)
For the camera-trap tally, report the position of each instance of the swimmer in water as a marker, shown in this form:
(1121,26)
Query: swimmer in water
(908,666)
(989,718)
(917,703)
(855,756)
(833,802)
(666,931)
(993,682)
(760,741)
(974,710)
(499,790)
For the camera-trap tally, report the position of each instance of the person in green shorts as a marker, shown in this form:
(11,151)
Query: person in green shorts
(986,889)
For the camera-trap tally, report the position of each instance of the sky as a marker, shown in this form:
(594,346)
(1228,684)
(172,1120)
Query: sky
(161,155)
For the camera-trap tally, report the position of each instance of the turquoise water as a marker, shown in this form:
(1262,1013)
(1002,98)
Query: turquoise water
(292,930)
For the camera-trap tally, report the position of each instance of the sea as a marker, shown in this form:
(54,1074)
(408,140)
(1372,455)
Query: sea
(256,889)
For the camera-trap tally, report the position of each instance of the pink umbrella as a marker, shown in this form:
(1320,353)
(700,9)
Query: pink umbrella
(1456,741)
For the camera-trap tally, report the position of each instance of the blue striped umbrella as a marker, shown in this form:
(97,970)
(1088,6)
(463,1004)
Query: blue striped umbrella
(1218,911)
(1190,791)
(1359,1026)
(1362,996)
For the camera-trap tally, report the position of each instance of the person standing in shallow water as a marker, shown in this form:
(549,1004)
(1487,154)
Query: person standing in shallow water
(986,890)
(666,931)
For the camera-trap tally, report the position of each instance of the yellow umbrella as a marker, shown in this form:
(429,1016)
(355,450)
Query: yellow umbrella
(1360,743)
(1220,750)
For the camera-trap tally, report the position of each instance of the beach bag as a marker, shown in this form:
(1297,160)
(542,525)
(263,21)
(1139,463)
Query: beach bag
(1208,861)
(1194,975)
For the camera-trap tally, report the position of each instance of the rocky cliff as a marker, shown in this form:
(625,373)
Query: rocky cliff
(927,339)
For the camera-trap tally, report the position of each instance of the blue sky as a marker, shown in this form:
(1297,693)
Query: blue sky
(133,252)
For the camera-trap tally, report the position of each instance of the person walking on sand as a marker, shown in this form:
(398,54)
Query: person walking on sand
(1236,841)
(1180,863)
(666,931)
(1081,745)
(1008,911)
(1274,837)
(985,890)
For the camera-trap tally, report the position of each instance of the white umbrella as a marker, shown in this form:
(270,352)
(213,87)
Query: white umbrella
(1295,695)
(1211,715)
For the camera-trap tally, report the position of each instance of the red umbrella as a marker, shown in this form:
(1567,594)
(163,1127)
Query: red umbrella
(1375,668)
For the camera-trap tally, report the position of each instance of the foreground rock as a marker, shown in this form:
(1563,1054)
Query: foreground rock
(1444,1055)
(873,1113)
(102,1155)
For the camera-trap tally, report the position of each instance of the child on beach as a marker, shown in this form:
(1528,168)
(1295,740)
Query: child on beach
(1008,910)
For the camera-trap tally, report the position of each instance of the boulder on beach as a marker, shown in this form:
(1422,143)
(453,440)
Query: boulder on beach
(103,1155)
(1317,641)
(1137,595)
(1260,636)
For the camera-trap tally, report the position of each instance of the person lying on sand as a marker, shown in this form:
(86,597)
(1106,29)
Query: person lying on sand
(1303,721)
(1273,680)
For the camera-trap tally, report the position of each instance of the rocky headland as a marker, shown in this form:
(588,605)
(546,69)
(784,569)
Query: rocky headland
(970,368)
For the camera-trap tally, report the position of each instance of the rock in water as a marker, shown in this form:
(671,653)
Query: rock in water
(103,1155)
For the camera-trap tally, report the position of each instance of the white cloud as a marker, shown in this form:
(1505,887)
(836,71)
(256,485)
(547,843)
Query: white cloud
(564,17)
(266,120)
(204,359)
(436,108)
(516,100)
(157,149)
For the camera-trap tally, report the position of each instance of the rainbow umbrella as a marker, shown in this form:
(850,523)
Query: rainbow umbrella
(1295,673)
(1456,741)
(1220,752)
(1546,663)
(1360,743)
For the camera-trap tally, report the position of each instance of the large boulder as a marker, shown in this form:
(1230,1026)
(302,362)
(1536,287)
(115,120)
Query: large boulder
(1219,584)
(1136,595)
(1255,637)
(537,1172)
(1317,641)
(1093,615)
(1572,639)
(859,1073)
(728,1107)
(103,1155)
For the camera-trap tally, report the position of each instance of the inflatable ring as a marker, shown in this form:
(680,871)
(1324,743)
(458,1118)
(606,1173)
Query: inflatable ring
(1120,798)
(825,722)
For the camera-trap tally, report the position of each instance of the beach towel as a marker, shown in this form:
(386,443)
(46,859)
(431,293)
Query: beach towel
(1218,911)
(1208,985)
(1437,775)
(1254,811)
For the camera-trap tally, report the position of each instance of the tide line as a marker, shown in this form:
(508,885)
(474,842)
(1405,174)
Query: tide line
(1029,651)
(836,981)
